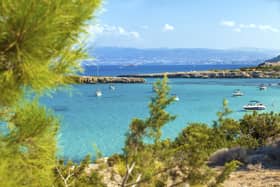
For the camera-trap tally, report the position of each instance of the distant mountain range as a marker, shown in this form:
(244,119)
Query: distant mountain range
(163,56)
(271,62)
(274,60)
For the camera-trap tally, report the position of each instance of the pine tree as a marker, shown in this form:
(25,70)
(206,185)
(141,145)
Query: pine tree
(27,151)
(151,127)
(144,160)
(39,51)
(158,115)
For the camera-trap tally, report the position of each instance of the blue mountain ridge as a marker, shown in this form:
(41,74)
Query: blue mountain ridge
(184,56)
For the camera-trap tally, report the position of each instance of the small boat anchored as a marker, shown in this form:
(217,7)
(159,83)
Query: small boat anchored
(98,93)
(254,105)
(237,93)
(176,98)
(112,87)
(262,87)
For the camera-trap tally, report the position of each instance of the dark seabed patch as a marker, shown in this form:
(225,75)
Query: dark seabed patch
(60,108)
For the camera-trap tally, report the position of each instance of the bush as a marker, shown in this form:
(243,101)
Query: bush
(225,134)
(114,159)
(73,174)
(194,145)
(260,127)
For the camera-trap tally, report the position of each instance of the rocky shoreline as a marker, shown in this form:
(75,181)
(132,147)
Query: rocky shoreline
(246,73)
(95,80)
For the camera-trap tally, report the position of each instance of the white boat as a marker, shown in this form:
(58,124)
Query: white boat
(111,87)
(237,93)
(98,93)
(176,98)
(262,87)
(254,105)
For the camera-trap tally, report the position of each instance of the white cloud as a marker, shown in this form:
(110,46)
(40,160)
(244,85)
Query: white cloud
(168,27)
(228,23)
(121,31)
(102,10)
(95,29)
(239,27)
(135,34)
(268,28)
(248,26)
(98,29)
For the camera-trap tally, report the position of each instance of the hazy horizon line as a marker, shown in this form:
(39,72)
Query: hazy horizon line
(147,48)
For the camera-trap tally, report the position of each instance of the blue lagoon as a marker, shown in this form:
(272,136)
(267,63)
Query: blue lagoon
(87,119)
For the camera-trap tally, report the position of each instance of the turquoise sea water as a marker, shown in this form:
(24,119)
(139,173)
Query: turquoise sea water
(88,120)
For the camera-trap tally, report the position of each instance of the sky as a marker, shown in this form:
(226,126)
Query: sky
(217,24)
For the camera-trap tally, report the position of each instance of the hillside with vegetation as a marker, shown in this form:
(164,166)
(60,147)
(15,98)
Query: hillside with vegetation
(271,63)
(267,69)
(275,59)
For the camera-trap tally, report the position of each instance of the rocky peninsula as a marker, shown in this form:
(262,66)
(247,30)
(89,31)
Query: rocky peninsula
(267,70)
(101,79)
(252,72)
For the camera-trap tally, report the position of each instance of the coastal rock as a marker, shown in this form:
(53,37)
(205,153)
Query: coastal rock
(95,80)
(225,155)
(239,73)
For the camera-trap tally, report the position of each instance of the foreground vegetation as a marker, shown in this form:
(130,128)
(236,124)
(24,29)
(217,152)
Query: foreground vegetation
(39,51)
(150,160)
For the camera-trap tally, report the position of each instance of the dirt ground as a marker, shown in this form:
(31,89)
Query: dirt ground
(260,178)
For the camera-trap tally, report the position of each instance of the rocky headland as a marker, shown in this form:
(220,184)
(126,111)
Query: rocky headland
(101,79)
(267,69)
(253,72)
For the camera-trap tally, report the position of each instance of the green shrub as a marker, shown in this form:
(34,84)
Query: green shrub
(260,127)
(194,147)
(75,175)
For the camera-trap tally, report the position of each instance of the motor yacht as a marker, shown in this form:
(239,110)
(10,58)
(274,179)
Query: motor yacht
(237,93)
(262,87)
(254,105)
(176,98)
(98,93)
